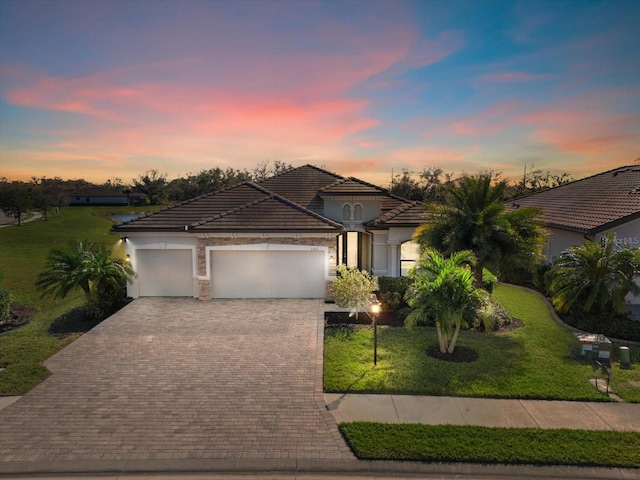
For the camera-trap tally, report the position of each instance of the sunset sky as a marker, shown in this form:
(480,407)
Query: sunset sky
(103,89)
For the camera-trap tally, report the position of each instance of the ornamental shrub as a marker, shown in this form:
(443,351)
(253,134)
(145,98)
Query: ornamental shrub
(353,288)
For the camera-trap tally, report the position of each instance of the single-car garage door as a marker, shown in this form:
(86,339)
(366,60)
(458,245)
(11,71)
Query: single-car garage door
(165,273)
(267,274)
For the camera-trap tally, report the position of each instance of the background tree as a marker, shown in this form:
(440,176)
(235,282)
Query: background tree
(474,218)
(48,194)
(89,267)
(153,184)
(443,291)
(535,180)
(268,169)
(594,277)
(206,181)
(353,288)
(16,199)
(428,186)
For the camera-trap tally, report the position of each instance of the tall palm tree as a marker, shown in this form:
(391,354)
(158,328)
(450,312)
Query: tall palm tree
(443,290)
(594,277)
(474,218)
(85,265)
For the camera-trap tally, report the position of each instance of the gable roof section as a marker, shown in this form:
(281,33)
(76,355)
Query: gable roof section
(589,205)
(408,214)
(352,186)
(301,185)
(244,207)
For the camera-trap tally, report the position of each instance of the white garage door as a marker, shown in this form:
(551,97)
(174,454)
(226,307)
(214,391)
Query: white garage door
(267,274)
(165,273)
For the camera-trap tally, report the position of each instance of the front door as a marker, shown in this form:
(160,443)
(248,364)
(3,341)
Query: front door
(354,250)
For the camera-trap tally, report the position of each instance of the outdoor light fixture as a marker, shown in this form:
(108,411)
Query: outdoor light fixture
(375,311)
(128,257)
(124,239)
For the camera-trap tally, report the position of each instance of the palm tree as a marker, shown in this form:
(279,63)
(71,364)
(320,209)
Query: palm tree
(66,271)
(87,266)
(443,290)
(474,218)
(594,277)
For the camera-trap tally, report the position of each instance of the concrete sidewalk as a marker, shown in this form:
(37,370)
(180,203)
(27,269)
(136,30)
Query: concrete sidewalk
(484,412)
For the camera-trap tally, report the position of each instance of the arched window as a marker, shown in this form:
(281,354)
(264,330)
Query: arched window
(357,212)
(346,212)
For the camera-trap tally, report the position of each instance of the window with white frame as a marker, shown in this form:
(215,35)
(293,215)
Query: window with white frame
(409,255)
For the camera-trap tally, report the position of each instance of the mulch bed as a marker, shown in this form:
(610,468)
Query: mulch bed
(332,319)
(19,316)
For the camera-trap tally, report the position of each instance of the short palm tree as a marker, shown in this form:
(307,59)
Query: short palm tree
(85,265)
(594,277)
(474,218)
(443,290)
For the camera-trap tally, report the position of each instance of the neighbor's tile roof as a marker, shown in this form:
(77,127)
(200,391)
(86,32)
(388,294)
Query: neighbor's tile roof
(589,205)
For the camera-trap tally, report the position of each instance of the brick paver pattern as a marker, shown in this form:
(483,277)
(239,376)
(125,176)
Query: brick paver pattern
(169,378)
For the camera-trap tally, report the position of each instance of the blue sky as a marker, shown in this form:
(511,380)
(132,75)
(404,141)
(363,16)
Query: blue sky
(103,89)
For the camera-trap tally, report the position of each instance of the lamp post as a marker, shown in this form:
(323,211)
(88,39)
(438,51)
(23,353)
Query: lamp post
(375,310)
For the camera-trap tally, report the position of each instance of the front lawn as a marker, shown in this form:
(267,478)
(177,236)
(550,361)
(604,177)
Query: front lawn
(22,257)
(535,361)
(447,443)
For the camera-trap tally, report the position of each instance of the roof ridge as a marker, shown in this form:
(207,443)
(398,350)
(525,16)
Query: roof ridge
(308,165)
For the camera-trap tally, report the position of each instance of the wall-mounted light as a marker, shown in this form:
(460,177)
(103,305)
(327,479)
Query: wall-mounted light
(128,257)
(124,239)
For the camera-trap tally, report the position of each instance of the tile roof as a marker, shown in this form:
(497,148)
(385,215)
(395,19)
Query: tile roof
(589,205)
(404,215)
(288,202)
(301,185)
(243,207)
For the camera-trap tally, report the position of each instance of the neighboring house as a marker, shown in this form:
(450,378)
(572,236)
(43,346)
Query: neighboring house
(93,195)
(279,238)
(589,208)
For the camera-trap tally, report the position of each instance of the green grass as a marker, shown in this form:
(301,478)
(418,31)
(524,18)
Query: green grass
(532,361)
(22,257)
(447,443)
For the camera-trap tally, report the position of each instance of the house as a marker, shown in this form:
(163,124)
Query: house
(94,195)
(590,208)
(279,238)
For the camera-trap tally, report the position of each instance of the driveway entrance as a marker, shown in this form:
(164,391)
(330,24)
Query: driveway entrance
(171,378)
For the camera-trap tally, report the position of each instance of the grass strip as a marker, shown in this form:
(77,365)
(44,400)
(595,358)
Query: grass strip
(452,443)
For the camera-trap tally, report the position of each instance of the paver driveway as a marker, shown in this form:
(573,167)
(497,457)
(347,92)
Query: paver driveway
(182,379)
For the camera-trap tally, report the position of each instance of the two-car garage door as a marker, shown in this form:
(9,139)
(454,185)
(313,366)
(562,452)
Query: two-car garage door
(267,274)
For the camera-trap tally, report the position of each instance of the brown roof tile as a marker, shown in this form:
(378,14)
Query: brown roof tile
(591,204)
(405,215)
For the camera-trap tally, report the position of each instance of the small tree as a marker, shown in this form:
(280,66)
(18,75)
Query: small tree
(353,288)
(443,290)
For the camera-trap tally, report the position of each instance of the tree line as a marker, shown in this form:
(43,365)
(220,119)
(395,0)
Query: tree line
(152,188)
